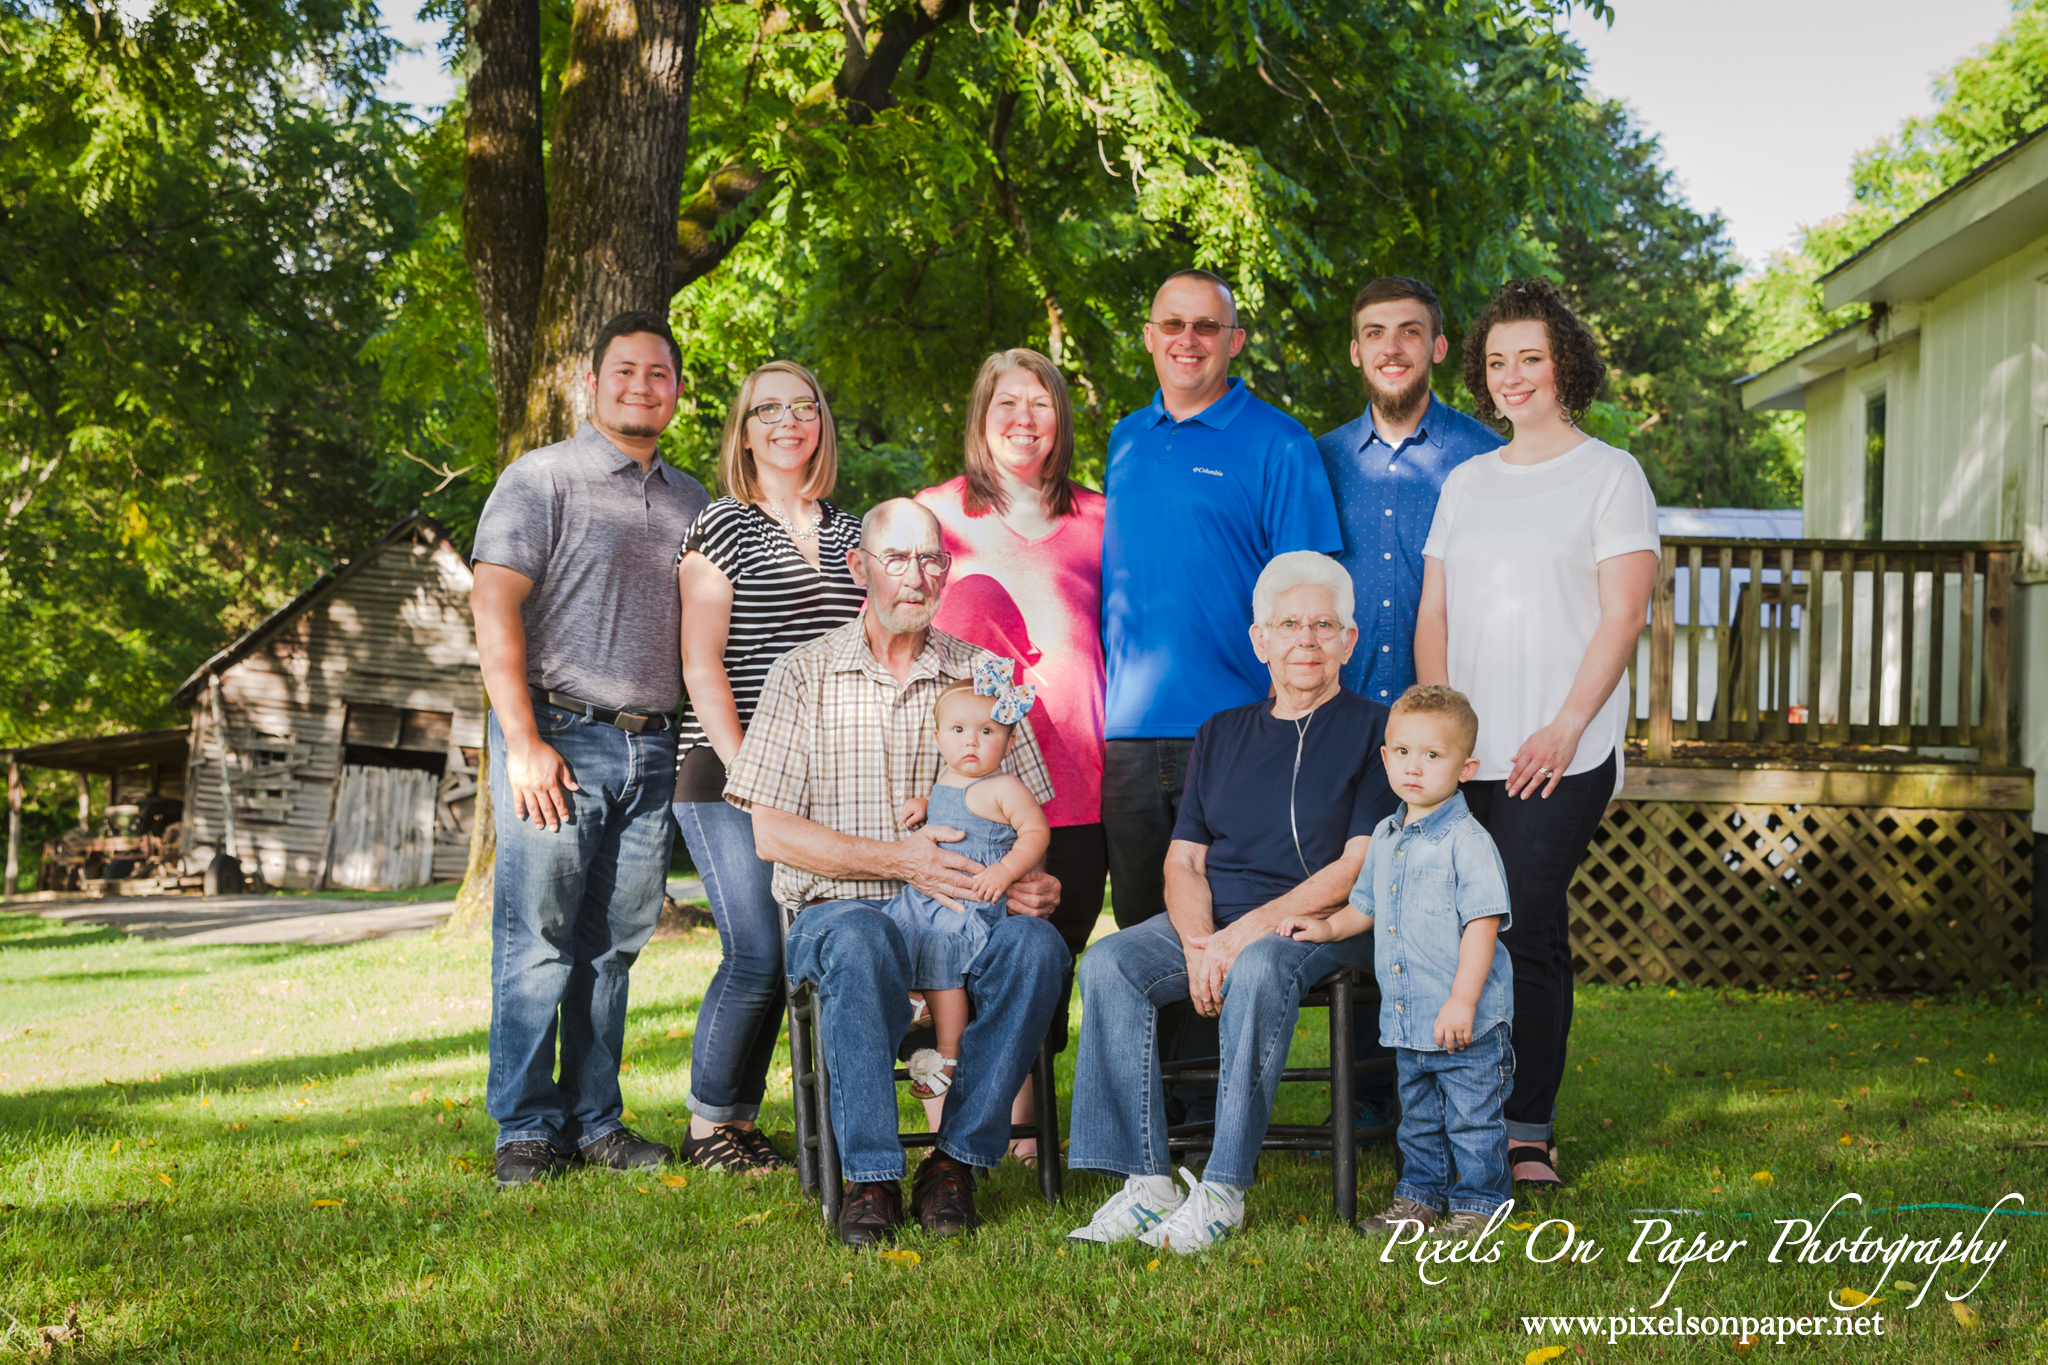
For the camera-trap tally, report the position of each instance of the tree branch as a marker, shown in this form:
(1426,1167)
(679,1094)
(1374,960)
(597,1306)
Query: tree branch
(705,232)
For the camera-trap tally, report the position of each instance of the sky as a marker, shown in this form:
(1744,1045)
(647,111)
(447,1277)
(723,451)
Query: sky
(1761,104)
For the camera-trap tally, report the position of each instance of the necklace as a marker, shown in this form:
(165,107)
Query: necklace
(782,520)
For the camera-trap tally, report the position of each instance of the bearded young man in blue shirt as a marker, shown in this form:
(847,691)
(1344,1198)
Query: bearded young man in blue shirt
(1386,469)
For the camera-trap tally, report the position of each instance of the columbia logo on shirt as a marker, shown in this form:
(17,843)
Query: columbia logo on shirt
(1217,472)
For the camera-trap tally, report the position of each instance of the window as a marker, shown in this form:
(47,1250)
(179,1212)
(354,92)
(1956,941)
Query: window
(1873,467)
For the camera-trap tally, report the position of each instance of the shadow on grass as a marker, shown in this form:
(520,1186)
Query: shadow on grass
(76,1104)
(70,936)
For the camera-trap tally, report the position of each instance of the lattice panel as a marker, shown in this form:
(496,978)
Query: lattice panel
(1763,895)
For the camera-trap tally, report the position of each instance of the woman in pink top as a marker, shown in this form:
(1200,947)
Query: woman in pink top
(1026,582)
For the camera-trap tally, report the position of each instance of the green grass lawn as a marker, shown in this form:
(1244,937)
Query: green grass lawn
(263,1153)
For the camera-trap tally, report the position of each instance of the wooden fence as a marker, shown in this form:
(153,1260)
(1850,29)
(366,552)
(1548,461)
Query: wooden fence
(1828,643)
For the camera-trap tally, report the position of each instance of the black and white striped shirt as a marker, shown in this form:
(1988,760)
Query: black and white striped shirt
(778,600)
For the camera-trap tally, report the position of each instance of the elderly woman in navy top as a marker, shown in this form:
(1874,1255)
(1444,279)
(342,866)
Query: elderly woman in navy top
(1281,800)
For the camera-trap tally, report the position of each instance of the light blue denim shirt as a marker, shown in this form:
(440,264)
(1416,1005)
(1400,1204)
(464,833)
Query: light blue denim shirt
(1422,884)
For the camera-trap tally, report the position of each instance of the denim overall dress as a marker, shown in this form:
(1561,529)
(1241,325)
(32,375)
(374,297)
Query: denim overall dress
(942,941)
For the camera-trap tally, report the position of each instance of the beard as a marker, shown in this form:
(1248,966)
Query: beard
(636,427)
(904,618)
(1399,404)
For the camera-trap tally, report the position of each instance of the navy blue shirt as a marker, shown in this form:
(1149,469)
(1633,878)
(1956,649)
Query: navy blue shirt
(1196,509)
(1386,499)
(1242,785)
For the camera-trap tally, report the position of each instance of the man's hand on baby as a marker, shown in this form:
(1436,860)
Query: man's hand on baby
(911,815)
(940,873)
(1306,928)
(1453,1026)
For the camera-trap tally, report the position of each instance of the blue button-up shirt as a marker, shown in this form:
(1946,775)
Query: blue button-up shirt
(1386,499)
(1196,509)
(1423,882)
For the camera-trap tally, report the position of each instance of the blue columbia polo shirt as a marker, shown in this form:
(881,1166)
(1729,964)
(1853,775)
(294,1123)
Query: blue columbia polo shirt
(1196,509)
(1386,499)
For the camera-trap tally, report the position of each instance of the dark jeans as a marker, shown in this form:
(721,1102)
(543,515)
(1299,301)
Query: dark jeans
(1079,858)
(741,1014)
(1141,790)
(1541,842)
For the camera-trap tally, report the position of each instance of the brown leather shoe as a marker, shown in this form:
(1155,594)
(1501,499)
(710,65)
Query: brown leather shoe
(870,1213)
(942,1195)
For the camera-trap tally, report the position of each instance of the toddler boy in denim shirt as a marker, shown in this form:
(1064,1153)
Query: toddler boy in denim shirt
(1434,887)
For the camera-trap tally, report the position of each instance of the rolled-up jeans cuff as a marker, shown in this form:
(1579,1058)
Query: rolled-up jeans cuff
(1532,1134)
(727,1113)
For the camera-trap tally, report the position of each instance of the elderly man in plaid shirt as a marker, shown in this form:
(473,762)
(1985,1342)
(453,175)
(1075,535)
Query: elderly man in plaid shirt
(842,737)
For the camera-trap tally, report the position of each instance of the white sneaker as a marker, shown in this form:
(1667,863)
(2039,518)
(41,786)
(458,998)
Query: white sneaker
(1210,1214)
(1138,1206)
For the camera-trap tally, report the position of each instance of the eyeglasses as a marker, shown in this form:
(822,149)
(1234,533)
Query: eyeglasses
(1287,628)
(896,563)
(803,410)
(1205,328)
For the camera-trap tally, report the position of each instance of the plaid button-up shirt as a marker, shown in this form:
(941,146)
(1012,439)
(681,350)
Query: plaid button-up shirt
(836,739)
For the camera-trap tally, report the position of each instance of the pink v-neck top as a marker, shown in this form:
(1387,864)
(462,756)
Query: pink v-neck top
(1038,602)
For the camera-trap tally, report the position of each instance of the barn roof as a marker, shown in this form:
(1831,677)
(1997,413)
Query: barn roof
(417,525)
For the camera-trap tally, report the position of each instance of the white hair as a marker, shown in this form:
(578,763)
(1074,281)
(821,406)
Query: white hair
(1303,569)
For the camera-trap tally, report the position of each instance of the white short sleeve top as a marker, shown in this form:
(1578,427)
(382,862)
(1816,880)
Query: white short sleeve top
(1521,547)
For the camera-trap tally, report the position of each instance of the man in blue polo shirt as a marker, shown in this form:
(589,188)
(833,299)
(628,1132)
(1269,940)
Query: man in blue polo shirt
(1387,468)
(1205,486)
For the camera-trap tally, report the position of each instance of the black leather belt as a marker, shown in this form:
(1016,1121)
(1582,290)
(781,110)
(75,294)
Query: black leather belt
(632,721)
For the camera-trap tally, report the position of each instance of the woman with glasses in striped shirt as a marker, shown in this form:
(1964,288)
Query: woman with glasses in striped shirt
(764,570)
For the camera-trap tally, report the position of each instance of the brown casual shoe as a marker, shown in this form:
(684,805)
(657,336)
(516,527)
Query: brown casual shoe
(1394,1216)
(870,1213)
(942,1196)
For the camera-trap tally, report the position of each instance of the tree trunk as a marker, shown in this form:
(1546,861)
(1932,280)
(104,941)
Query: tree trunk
(554,262)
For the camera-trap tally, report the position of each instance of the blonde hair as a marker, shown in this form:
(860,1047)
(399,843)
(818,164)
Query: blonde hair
(736,472)
(984,485)
(1434,699)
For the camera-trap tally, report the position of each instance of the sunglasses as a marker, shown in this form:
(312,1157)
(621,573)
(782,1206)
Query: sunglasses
(1205,328)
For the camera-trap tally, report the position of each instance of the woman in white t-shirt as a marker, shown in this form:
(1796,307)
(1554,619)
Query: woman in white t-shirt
(1536,582)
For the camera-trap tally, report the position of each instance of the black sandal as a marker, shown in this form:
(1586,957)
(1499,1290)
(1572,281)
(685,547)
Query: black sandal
(725,1149)
(1533,1165)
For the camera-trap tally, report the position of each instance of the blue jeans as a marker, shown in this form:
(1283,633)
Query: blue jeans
(856,957)
(570,913)
(1119,1118)
(1454,1142)
(741,1014)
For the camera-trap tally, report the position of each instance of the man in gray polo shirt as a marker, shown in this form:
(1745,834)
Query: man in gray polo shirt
(578,624)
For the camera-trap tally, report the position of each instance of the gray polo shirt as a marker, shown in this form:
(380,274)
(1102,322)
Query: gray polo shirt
(599,539)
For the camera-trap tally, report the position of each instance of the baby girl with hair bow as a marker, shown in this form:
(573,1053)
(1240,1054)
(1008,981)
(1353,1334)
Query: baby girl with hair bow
(1005,831)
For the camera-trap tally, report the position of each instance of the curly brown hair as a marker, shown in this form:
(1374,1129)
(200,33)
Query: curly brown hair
(1574,353)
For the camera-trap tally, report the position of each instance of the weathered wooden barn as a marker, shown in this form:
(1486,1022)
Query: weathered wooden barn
(352,720)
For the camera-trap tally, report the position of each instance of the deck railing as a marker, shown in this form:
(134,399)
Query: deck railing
(1828,643)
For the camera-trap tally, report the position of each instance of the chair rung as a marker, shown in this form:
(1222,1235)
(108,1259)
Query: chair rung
(1292,1073)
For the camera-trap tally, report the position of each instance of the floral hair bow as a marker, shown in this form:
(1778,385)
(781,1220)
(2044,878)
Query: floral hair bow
(992,679)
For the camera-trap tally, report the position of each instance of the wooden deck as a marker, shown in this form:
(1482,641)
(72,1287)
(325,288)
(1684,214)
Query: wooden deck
(1819,788)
